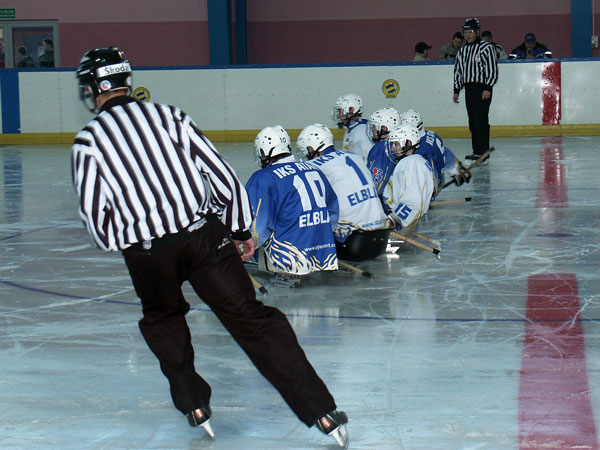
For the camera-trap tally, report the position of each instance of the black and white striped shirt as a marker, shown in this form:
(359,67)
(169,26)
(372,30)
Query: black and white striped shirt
(143,170)
(476,63)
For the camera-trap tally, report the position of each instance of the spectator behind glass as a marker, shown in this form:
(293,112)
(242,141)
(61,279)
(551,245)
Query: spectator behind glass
(487,36)
(450,50)
(47,57)
(421,51)
(1,54)
(530,49)
(24,59)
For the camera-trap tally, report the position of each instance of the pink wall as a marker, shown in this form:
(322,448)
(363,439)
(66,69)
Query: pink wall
(315,10)
(389,39)
(155,32)
(144,43)
(127,11)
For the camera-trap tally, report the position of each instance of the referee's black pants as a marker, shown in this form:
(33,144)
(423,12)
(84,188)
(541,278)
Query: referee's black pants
(212,265)
(478,112)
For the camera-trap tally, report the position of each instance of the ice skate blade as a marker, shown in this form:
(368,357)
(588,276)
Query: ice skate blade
(340,434)
(209,430)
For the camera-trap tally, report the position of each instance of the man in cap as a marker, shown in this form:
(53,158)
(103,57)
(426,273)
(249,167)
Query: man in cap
(421,51)
(530,49)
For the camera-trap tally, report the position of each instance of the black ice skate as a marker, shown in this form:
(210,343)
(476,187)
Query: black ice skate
(200,417)
(334,425)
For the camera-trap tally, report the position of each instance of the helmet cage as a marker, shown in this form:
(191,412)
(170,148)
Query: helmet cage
(388,117)
(343,105)
(399,137)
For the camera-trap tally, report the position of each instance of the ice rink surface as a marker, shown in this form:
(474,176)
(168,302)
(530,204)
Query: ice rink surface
(495,345)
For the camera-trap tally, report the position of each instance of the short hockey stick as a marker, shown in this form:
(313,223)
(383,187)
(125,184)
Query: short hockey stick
(450,202)
(475,163)
(426,239)
(414,242)
(351,268)
(257,285)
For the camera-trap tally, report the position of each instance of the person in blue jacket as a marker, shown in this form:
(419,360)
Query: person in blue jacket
(530,49)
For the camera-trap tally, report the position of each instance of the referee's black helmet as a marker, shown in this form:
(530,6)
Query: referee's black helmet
(102,70)
(472,24)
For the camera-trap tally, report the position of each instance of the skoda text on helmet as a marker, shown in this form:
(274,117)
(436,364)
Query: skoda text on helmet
(472,24)
(401,140)
(102,70)
(316,136)
(412,117)
(271,144)
(388,117)
(341,113)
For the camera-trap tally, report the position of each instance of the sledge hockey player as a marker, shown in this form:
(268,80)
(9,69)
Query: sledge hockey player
(380,165)
(410,188)
(432,148)
(359,234)
(295,210)
(347,113)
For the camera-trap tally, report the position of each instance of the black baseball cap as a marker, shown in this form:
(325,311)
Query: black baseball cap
(421,46)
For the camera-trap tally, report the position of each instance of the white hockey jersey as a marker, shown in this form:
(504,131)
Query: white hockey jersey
(409,190)
(356,139)
(360,207)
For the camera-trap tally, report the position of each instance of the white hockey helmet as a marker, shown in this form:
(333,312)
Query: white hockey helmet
(385,117)
(412,117)
(317,136)
(397,142)
(341,111)
(271,144)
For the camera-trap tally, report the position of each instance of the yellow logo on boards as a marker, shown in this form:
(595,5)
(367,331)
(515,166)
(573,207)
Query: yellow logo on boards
(390,88)
(142,94)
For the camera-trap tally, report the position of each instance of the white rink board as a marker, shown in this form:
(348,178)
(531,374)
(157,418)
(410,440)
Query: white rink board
(580,92)
(254,97)
(50,103)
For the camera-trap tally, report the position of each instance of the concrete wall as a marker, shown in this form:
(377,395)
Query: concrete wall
(234,104)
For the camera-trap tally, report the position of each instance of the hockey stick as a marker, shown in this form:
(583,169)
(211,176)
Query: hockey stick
(426,239)
(414,242)
(450,202)
(257,285)
(347,266)
(475,163)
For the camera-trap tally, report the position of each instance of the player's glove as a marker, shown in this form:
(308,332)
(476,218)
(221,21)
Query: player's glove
(393,221)
(462,177)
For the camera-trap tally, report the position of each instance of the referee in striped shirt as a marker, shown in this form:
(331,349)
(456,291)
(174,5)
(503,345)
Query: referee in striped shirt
(152,186)
(476,69)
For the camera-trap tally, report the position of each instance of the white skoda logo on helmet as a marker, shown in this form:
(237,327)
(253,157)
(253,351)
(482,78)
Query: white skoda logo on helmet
(113,70)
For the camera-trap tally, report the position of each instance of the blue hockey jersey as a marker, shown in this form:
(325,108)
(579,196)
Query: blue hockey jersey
(295,212)
(431,147)
(381,164)
(441,157)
